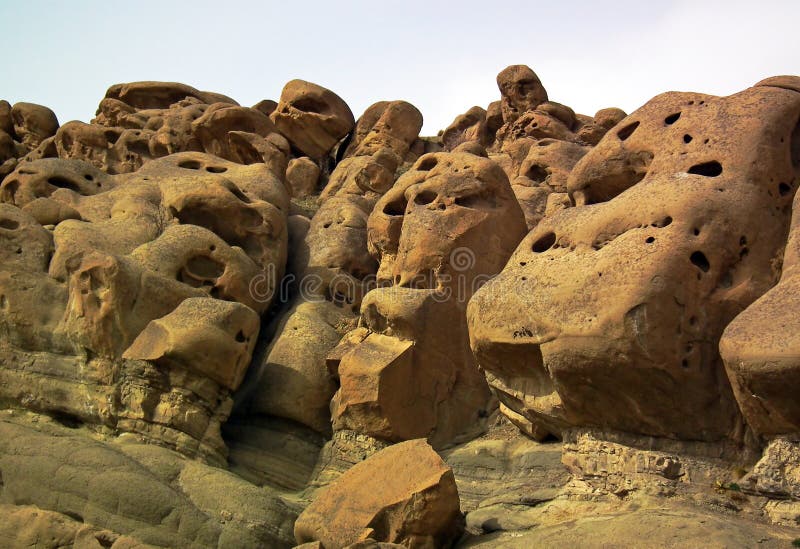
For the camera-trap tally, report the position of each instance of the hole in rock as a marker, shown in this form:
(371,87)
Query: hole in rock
(650,240)
(784,189)
(395,207)
(111,137)
(671,119)
(663,223)
(476,201)
(239,194)
(189,165)
(794,146)
(68,420)
(327,225)
(538,174)
(742,240)
(685,363)
(310,105)
(9,224)
(9,190)
(63,183)
(88,177)
(201,266)
(216,169)
(425,197)
(700,260)
(544,243)
(73,515)
(687,138)
(707,169)
(240,337)
(627,131)
(696,231)
(427,164)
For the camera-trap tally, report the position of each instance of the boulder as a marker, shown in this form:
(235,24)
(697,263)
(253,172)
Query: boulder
(312,118)
(33,123)
(404,494)
(302,176)
(521,91)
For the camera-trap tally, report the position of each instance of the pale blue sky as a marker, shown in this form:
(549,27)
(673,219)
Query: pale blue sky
(442,57)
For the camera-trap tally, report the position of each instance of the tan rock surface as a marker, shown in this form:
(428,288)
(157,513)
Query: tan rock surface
(312,118)
(609,313)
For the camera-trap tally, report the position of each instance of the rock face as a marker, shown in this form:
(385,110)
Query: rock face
(399,377)
(108,283)
(404,494)
(761,348)
(663,204)
(228,326)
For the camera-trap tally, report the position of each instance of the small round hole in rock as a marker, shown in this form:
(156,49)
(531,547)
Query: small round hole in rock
(544,243)
(395,207)
(696,231)
(189,164)
(707,169)
(671,119)
(240,337)
(424,197)
(784,189)
(216,169)
(427,164)
(649,240)
(687,138)
(700,260)
(627,131)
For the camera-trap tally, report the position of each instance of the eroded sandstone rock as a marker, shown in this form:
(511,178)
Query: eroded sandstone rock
(609,313)
(312,118)
(404,494)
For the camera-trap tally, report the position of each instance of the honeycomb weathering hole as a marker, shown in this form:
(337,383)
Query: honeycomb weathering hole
(427,164)
(671,119)
(395,207)
(189,164)
(627,131)
(63,183)
(9,224)
(700,260)
(310,105)
(795,146)
(216,169)
(707,169)
(544,243)
(538,174)
(425,197)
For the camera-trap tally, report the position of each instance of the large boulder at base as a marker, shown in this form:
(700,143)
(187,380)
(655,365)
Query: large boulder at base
(403,494)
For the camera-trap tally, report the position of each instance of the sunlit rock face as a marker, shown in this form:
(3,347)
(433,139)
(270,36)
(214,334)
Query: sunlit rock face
(127,299)
(447,224)
(609,313)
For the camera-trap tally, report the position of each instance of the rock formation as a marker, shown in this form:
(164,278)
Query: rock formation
(228,326)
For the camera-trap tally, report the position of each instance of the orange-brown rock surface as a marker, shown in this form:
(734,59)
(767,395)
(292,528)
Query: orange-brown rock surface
(229,326)
(610,313)
(404,494)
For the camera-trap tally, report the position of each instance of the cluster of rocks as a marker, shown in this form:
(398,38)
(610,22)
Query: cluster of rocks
(276,325)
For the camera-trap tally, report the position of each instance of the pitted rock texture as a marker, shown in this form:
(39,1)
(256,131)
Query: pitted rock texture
(610,313)
(215,319)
